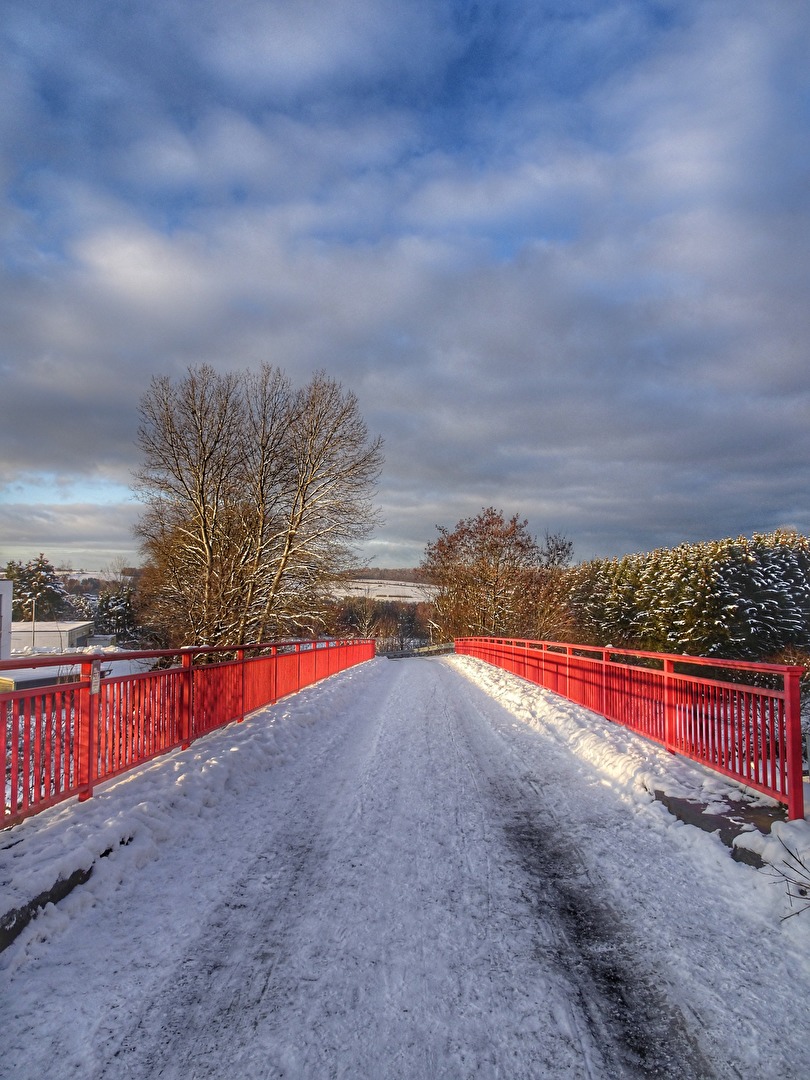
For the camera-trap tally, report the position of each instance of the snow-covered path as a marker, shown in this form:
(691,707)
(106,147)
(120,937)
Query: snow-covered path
(418,869)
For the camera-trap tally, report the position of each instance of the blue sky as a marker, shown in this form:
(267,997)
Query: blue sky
(559,250)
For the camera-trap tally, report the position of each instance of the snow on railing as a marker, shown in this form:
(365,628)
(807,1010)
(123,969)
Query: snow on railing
(86,723)
(741,719)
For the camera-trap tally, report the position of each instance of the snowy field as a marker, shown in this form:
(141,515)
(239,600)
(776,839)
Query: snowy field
(408,592)
(417,869)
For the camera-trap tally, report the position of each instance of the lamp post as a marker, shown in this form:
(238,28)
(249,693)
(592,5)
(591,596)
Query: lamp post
(33,622)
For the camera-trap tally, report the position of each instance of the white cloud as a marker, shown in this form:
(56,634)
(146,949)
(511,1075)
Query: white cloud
(291,46)
(145,270)
(82,535)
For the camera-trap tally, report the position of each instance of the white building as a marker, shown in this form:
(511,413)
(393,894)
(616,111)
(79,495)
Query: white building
(53,636)
(25,637)
(6,588)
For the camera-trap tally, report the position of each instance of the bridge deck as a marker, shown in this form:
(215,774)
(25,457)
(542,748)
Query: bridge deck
(420,869)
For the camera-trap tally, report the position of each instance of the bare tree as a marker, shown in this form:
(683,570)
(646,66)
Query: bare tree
(328,507)
(492,577)
(255,496)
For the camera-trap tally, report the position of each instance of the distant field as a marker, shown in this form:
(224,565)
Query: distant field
(405,591)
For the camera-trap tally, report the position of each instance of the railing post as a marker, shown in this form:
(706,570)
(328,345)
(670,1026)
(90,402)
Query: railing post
(568,655)
(670,717)
(240,656)
(87,724)
(793,733)
(186,698)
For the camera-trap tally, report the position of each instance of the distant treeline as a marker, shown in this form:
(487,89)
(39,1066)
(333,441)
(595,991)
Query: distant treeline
(738,598)
(409,574)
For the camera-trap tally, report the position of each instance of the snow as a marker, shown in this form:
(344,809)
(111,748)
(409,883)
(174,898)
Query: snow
(416,869)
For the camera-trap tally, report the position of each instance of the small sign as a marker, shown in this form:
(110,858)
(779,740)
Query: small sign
(95,677)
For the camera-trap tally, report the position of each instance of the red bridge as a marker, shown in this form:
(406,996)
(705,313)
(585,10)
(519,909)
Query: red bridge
(58,741)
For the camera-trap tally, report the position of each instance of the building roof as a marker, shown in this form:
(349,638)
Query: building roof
(54,627)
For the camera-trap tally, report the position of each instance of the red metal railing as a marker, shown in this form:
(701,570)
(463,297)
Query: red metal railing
(737,718)
(57,741)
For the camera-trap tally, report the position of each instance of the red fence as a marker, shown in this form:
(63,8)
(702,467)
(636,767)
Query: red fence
(737,718)
(59,740)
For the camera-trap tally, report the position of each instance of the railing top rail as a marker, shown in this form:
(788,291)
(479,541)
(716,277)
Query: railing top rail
(610,651)
(85,657)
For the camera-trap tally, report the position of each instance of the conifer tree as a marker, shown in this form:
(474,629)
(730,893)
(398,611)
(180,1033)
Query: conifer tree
(736,597)
(38,593)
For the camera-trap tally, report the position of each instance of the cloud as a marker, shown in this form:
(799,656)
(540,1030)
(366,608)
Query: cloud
(295,47)
(80,535)
(558,254)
